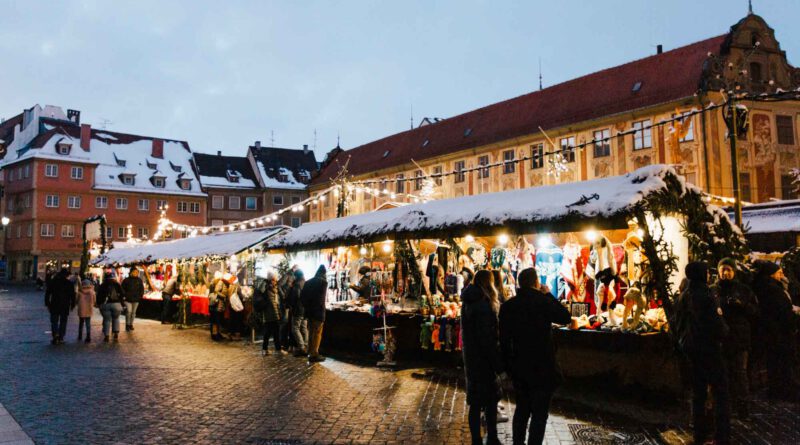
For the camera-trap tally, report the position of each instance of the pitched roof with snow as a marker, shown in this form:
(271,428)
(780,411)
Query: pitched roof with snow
(772,217)
(225,171)
(662,78)
(566,207)
(284,168)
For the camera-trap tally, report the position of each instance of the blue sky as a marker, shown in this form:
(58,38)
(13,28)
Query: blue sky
(224,74)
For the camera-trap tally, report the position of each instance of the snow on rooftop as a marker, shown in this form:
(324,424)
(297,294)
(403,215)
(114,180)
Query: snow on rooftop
(217,181)
(615,196)
(772,219)
(215,244)
(269,182)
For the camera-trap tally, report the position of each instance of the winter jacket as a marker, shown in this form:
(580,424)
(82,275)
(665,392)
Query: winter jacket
(526,338)
(363,288)
(479,333)
(740,309)
(708,327)
(171,287)
(777,318)
(110,291)
(293,299)
(269,291)
(60,295)
(133,287)
(313,296)
(86,301)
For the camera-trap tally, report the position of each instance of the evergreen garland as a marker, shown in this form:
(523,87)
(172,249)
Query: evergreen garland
(404,253)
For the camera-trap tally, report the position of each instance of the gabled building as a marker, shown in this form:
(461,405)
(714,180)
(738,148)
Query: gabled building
(234,192)
(57,172)
(284,175)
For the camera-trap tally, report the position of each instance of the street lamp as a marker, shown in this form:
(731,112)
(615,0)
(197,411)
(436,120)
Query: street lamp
(4,220)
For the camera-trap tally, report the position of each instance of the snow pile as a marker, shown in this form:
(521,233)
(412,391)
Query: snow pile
(603,198)
(772,220)
(216,244)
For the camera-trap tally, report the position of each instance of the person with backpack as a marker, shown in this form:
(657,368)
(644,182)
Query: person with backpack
(313,296)
(133,287)
(701,329)
(267,292)
(740,309)
(299,322)
(59,297)
(110,297)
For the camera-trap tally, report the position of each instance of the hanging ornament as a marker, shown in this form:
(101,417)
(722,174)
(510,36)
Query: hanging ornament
(556,165)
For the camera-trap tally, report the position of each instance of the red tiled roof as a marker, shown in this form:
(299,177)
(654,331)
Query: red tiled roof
(664,77)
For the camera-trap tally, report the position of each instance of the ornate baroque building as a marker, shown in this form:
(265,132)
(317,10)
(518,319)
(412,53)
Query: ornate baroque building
(628,97)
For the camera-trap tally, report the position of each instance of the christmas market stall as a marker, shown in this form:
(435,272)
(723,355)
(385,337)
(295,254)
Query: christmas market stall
(194,261)
(612,250)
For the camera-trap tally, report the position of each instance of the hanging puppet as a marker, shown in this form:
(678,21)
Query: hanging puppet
(604,267)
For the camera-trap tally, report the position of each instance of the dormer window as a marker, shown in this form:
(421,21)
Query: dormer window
(185,184)
(120,162)
(304,175)
(63,148)
(151,165)
(233,176)
(175,168)
(159,181)
(128,178)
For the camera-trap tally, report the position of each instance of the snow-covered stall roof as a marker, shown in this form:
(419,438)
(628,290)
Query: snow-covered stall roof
(215,244)
(777,217)
(602,203)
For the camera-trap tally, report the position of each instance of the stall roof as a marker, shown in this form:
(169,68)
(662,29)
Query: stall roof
(215,244)
(602,203)
(773,217)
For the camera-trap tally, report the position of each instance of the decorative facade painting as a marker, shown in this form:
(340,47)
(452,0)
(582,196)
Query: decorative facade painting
(763,156)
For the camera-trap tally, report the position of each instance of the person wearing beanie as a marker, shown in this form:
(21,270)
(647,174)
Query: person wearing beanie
(313,296)
(740,310)
(777,321)
(708,330)
(299,322)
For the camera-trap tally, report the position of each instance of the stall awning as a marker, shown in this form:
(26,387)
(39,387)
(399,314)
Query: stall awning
(774,217)
(216,244)
(602,203)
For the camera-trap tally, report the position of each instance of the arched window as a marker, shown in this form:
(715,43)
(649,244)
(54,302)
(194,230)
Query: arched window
(754,39)
(755,72)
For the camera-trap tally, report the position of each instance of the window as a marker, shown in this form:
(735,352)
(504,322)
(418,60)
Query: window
(295,199)
(128,179)
(217,222)
(400,183)
(537,156)
(29,230)
(183,207)
(418,180)
(602,143)
(744,186)
(122,203)
(185,184)
(121,232)
(109,232)
(67,231)
(26,171)
(51,201)
(277,200)
(11,175)
(74,202)
(77,173)
(63,149)
(101,202)
(217,202)
(755,72)
(568,148)
(785,130)
(509,166)
(47,230)
(158,182)
(483,161)
(459,169)
(295,221)
(26,201)
(690,132)
(234,202)
(250,203)
(161,204)
(142,232)
(50,170)
(144,205)
(194,207)
(642,137)
(437,171)
(788,188)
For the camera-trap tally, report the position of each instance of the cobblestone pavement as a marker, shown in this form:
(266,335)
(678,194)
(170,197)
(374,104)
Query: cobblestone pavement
(160,385)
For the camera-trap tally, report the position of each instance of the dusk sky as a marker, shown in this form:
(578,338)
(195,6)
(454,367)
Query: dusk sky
(224,74)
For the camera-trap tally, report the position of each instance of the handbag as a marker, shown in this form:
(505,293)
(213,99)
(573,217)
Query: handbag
(236,303)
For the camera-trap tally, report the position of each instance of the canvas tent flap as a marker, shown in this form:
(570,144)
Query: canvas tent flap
(215,244)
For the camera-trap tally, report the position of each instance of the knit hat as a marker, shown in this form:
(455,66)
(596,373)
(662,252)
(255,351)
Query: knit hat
(298,274)
(765,267)
(730,262)
(86,283)
(697,271)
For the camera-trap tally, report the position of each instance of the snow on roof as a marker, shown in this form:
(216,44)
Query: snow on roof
(270,182)
(531,207)
(215,244)
(216,181)
(764,219)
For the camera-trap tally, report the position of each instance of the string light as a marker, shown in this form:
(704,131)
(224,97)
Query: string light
(502,239)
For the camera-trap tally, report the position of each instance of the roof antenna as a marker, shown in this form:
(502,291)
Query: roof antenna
(540,74)
(315,139)
(105,123)
(412,116)
(272,138)
(749,7)
(337,140)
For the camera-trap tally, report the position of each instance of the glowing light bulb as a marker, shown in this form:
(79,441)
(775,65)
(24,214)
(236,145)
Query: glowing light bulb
(502,239)
(469,238)
(591,235)
(387,247)
(362,250)
(640,232)
(544,241)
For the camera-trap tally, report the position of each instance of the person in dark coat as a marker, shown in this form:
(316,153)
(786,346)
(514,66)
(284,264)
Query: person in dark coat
(284,284)
(778,324)
(299,322)
(708,331)
(740,310)
(60,299)
(133,288)
(171,288)
(482,362)
(268,288)
(529,354)
(313,296)
(110,297)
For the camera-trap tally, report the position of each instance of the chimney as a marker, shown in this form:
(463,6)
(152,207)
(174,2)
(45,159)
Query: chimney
(158,148)
(86,136)
(258,144)
(305,149)
(659,49)
(219,152)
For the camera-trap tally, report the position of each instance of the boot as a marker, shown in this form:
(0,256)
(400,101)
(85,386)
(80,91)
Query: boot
(105,339)
(80,335)
(88,339)
(116,336)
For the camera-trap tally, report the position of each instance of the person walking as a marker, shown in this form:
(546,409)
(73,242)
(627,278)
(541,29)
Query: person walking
(59,298)
(778,324)
(268,288)
(740,310)
(706,330)
(171,288)
(529,354)
(216,306)
(86,302)
(299,322)
(482,360)
(109,299)
(133,288)
(313,296)
(285,326)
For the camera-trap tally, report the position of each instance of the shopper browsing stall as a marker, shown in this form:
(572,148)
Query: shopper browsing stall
(313,298)
(268,291)
(110,297)
(299,322)
(133,287)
